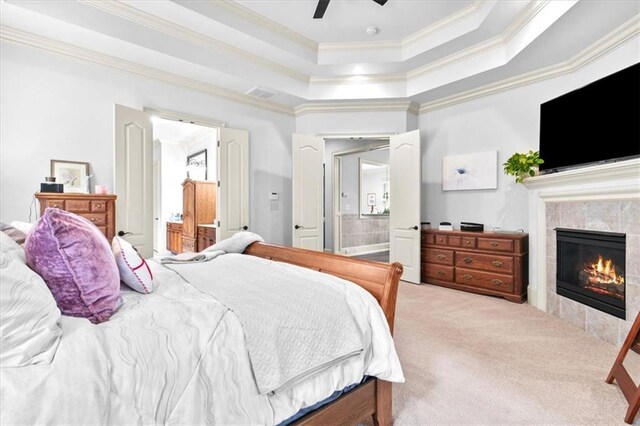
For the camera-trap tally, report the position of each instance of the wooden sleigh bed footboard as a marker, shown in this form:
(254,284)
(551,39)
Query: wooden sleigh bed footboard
(373,397)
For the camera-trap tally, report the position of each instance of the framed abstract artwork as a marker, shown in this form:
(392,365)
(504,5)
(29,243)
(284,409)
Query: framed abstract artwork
(197,165)
(470,171)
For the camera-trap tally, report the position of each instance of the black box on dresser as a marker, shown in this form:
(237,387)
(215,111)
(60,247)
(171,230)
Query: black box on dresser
(480,262)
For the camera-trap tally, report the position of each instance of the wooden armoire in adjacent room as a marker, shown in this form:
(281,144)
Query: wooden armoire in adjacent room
(198,207)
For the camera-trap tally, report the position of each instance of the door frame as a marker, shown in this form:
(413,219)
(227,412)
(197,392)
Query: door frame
(188,119)
(336,159)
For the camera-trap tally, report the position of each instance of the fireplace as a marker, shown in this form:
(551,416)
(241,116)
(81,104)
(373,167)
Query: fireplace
(590,269)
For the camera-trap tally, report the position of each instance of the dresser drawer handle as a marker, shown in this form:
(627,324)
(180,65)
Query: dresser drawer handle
(441,240)
(441,256)
(496,282)
(467,242)
(494,244)
(56,205)
(93,219)
(467,276)
(468,260)
(497,263)
(441,273)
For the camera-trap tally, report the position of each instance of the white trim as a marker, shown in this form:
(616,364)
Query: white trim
(404,106)
(266,23)
(73,52)
(181,116)
(198,39)
(615,38)
(368,249)
(357,79)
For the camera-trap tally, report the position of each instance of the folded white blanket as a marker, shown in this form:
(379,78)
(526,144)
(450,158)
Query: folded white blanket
(235,244)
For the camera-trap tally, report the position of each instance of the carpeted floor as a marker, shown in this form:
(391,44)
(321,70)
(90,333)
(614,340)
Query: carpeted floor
(473,359)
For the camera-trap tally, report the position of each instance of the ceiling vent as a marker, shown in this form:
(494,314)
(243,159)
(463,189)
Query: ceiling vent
(261,93)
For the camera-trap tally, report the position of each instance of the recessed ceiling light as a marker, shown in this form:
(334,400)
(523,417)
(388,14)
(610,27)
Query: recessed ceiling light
(372,30)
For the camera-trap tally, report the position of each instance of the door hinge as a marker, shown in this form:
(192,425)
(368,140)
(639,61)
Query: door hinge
(218,224)
(218,184)
(218,143)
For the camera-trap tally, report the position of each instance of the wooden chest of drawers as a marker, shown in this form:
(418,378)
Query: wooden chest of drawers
(99,209)
(480,262)
(174,237)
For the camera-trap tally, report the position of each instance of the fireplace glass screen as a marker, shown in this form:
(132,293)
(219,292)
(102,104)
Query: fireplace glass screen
(590,269)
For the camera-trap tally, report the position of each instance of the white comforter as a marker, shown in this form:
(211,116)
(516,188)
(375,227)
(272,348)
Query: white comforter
(178,356)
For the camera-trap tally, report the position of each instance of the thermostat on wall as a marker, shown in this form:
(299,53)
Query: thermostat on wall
(273,195)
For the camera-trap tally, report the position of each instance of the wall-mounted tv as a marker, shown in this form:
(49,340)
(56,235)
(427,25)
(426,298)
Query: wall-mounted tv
(597,123)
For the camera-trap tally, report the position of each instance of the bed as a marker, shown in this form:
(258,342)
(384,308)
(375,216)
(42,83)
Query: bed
(179,356)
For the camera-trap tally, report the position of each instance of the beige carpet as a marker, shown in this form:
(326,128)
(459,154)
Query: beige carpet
(473,359)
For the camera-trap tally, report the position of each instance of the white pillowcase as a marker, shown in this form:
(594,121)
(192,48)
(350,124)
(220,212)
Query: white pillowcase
(134,271)
(29,316)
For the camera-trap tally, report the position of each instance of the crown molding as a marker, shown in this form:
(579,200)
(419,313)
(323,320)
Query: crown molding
(357,79)
(260,20)
(184,117)
(389,106)
(66,50)
(448,20)
(141,17)
(530,12)
(611,41)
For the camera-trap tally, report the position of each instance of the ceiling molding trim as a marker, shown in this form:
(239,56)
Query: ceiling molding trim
(69,51)
(448,20)
(358,79)
(410,39)
(260,20)
(389,106)
(493,43)
(611,41)
(174,30)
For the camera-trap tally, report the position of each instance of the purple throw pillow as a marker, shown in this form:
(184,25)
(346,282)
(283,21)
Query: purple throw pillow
(75,260)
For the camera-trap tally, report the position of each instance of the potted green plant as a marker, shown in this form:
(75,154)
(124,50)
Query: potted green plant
(522,165)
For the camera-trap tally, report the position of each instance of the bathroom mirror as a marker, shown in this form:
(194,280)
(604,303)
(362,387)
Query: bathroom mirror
(374,188)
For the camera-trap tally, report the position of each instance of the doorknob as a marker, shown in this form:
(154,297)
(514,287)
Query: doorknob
(122,233)
(415,228)
(299,227)
(245,227)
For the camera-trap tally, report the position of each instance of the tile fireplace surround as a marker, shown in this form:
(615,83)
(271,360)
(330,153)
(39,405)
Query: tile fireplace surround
(604,197)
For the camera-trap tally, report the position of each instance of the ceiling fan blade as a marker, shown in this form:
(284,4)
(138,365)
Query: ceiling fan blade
(321,8)
(381,2)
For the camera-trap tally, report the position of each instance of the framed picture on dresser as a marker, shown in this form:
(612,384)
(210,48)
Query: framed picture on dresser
(74,175)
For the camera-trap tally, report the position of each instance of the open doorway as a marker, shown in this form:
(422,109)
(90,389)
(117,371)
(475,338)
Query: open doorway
(357,197)
(180,150)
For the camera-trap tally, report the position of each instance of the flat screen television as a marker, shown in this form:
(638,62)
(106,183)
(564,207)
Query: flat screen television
(597,123)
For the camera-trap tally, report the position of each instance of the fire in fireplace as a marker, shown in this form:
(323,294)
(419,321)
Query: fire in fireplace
(591,269)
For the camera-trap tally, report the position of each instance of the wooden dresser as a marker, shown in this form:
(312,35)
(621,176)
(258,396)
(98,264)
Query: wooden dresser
(198,207)
(206,236)
(481,262)
(99,209)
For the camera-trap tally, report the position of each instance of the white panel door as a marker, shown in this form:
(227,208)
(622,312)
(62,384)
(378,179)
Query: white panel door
(307,182)
(233,176)
(133,177)
(404,220)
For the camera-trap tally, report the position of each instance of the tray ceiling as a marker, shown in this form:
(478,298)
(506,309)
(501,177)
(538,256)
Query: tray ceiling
(426,50)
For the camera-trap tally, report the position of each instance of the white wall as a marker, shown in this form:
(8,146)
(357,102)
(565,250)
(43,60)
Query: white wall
(509,122)
(54,108)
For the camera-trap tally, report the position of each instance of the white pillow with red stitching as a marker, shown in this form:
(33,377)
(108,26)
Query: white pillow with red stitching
(134,271)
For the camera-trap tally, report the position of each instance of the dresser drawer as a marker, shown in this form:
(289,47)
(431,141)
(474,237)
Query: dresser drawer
(78,206)
(428,238)
(454,241)
(188,244)
(443,257)
(98,219)
(98,206)
(485,262)
(495,244)
(498,282)
(58,204)
(469,242)
(441,240)
(437,272)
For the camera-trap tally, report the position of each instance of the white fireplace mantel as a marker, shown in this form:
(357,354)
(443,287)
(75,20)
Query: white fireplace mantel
(611,181)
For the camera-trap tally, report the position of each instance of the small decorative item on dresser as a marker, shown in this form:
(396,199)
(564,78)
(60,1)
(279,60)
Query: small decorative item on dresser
(74,175)
(445,226)
(425,225)
(471,227)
